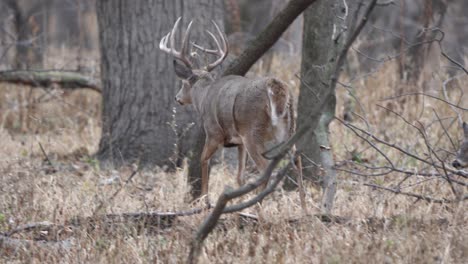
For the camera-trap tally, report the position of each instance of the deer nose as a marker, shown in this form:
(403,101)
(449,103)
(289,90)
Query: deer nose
(178,100)
(456,164)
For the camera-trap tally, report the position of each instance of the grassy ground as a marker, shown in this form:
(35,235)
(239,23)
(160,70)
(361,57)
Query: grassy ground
(380,227)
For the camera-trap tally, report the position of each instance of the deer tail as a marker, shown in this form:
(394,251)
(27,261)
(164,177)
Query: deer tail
(278,96)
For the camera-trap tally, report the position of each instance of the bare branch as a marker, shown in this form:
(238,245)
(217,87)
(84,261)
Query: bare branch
(420,197)
(267,38)
(424,94)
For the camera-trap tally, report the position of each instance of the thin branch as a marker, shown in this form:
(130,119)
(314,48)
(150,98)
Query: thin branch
(445,130)
(46,156)
(102,203)
(420,197)
(228,194)
(424,94)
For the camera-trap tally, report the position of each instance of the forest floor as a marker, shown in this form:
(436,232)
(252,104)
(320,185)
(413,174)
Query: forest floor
(77,211)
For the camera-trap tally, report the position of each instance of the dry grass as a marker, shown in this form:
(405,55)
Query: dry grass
(67,126)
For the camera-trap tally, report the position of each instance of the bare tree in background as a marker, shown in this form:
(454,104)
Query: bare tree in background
(29,20)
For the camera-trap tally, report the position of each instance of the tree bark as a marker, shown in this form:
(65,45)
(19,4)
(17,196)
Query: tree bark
(141,122)
(320,75)
(321,45)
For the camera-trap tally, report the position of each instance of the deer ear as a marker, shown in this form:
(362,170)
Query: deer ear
(182,71)
(465,130)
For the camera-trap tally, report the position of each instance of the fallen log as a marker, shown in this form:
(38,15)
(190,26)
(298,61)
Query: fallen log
(45,78)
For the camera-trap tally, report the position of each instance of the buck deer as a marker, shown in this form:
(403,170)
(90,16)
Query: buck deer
(461,160)
(235,111)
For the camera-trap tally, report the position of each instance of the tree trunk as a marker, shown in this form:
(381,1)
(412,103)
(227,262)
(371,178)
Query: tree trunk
(30,33)
(141,122)
(322,41)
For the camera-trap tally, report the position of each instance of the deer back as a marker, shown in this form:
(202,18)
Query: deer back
(234,107)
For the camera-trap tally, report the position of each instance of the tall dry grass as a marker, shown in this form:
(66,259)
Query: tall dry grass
(382,227)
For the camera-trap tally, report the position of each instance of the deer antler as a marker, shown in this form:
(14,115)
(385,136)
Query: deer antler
(182,55)
(220,51)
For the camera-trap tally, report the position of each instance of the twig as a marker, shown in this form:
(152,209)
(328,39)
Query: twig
(29,227)
(46,156)
(420,197)
(228,194)
(445,130)
(429,147)
(101,204)
(424,94)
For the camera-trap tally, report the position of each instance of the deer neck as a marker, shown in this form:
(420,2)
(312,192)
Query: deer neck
(200,91)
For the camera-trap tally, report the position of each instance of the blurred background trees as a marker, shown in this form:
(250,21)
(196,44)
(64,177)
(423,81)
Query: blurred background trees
(140,121)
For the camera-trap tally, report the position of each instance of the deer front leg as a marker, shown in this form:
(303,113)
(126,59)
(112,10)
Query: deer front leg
(208,150)
(241,164)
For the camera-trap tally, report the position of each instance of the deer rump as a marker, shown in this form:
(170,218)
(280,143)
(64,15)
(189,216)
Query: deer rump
(234,108)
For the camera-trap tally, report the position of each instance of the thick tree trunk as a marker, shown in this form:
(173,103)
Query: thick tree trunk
(321,45)
(138,80)
(315,73)
(320,73)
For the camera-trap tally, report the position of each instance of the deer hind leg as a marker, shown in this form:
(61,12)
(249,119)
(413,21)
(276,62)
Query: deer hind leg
(208,150)
(241,164)
(255,148)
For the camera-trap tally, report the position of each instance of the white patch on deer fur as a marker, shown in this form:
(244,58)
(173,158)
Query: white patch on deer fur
(274,114)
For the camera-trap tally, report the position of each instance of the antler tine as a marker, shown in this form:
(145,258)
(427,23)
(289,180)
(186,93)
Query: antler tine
(163,43)
(215,40)
(210,51)
(185,46)
(170,37)
(223,36)
(222,52)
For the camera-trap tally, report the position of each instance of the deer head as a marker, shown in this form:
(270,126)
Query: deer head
(185,68)
(461,160)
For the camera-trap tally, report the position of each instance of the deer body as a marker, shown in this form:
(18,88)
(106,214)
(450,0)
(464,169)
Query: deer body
(237,111)
(251,114)
(233,107)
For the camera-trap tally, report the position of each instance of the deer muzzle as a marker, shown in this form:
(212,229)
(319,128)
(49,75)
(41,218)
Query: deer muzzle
(179,100)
